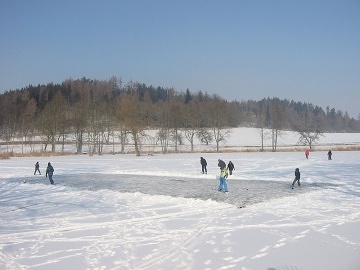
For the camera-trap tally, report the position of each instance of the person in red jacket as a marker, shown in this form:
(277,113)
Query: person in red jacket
(307,153)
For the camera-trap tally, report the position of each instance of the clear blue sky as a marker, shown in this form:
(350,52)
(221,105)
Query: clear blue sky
(306,51)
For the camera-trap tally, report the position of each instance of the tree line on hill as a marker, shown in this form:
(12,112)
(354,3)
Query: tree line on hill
(97,111)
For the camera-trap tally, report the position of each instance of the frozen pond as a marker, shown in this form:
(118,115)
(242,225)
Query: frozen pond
(242,192)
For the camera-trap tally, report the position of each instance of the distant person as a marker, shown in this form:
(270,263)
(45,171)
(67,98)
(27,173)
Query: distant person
(37,168)
(307,153)
(329,155)
(221,164)
(230,167)
(223,184)
(297,178)
(50,172)
(203,165)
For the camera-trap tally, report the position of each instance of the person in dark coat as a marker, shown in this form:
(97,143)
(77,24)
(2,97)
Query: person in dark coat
(37,168)
(203,165)
(221,164)
(230,167)
(329,155)
(50,172)
(297,178)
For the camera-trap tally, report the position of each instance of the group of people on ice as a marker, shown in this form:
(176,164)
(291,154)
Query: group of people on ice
(297,171)
(224,172)
(49,171)
(307,153)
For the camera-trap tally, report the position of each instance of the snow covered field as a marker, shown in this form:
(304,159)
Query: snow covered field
(239,139)
(160,212)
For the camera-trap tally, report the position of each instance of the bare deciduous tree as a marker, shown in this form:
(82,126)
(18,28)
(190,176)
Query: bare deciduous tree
(191,121)
(205,136)
(217,113)
(262,127)
(52,116)
(176,115)
(133,113)
(309,137)
(276,121)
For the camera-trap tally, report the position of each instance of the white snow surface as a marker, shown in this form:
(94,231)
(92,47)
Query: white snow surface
(160,212)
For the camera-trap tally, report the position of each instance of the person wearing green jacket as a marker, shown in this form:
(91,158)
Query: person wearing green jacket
(223,184)
(50,172)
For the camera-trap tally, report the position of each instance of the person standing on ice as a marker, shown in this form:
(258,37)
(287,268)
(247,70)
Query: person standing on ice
(329,155)
(37,168)
(50,172)
(203,165)
(221,164)
(223,184)
(230,167)
(307,153)
(297,178)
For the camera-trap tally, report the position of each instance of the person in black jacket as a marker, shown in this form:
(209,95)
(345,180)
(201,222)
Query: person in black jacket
(203,165)
(37,168)
(221,164)
(230,167)
(329,155)
(50,172)
(297,178)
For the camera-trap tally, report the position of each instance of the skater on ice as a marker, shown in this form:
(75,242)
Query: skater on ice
(223,184)
(329,155)
(297,178)
(230,167)
(221,164)
(203,165)
(307,153)
(50,172)
(37,168)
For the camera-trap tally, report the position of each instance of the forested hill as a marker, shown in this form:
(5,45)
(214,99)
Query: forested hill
(79,105)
